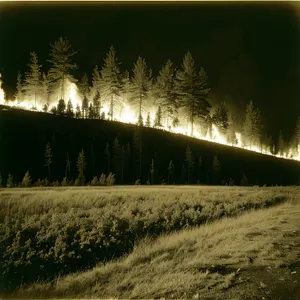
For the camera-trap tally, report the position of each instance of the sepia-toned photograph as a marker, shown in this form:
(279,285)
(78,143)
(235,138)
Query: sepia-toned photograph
(150,150)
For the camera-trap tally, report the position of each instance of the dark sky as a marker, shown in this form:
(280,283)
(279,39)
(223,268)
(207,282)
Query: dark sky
(249,50)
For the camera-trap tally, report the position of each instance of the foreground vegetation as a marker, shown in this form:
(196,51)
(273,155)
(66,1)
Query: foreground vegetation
(49,232)
(202,262)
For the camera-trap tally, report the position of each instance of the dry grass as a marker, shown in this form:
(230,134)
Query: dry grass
(200,261)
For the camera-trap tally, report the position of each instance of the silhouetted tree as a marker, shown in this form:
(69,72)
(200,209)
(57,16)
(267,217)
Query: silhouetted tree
(32,78)
(280,144)
(70,112)
(158,118)
(61,107)
(91,111)
(78,114)
(190,162)
(141,84)
(192,90)
(216,167)
(85,107)
(81,166)
(61,59)
(45,92)
(111,80)
(97,105)
(83,86)
(48,158)
(68,167)
(152,171)
(170,171)
(252,126)
(164,89)
(20,90)
(107,156)
(148,120)
(220,117)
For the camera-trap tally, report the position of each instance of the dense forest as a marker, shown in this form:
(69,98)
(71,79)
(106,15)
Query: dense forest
(93,149)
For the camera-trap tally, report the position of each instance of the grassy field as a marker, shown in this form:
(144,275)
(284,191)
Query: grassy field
(144,242)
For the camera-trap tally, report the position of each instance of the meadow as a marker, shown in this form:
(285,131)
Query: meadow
(139,242)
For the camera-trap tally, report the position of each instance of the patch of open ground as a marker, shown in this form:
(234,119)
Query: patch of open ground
(255,255)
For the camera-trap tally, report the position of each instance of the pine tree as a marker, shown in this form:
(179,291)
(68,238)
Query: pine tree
(138,149)
(190,162)
(231,135)
(26,182)
(68,167)
(296,136)
(111,80)
(95,181)
(158,118)
(10,181)
(148,120)
(19,96)
(152,170)
(32,78)
(83,86)
(61,107)
(192,90)
(280,144)
(102,179)
(216,167)
(45,108)
(110,180)
(97,105)
(85,107)
(252,126)
(78,114)
(141,84)
(107,156)
(48,158)
(164,89)
(91,111)
(61,59)
(45,88)
(170,171)
(117,158)
(96,81)
(70,112)
(220,117)
(81,166)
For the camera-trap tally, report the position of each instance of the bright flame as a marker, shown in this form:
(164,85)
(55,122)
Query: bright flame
(127,114)
(2,95)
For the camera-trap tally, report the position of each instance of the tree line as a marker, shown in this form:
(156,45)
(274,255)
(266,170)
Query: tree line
(173,90)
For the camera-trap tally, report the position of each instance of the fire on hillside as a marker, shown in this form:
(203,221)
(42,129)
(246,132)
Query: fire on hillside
(126,113)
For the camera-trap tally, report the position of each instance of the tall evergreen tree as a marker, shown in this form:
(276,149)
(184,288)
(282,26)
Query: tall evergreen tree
(164,89)
(70,112)
(220,117)
(91,112)
(152,170)
(141,84)
(48,158)
(111,80)
(280,144)
(19,96)
(117,158)
(83,86)
(32,78)
(61,107)
(107,157)
(252,126)
(81,166)
(68,167)
(97,105)
(158,117)
(170,171)
(78,114)
(10,181)
(192,90)
(216,167)
(190,162)
(148,120)
(138,151)
(45,92)
(85,107)
(61,54)
(96,81)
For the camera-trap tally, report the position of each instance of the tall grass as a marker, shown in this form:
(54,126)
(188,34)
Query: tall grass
(45,233)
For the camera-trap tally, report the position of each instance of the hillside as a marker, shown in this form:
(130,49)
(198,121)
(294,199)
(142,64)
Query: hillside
(24,134)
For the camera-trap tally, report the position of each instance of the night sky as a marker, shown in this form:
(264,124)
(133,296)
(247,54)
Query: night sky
(250,51)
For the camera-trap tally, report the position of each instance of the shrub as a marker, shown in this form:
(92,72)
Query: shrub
(102,179)
(64,182)
(26,182)
(110,179)
(137,182)
(10,183)
(95,181)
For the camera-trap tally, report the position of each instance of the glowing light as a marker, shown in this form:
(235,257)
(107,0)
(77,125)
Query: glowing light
(127,114)
(2,95)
